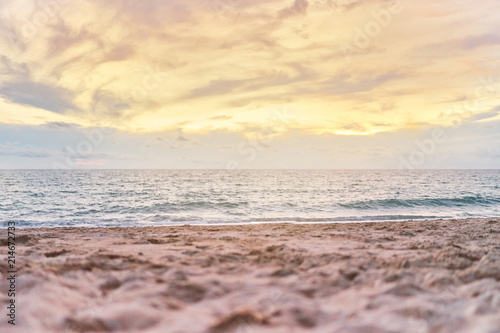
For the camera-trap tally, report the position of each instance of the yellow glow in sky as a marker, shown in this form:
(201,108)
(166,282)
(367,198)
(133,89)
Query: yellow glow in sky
(341,67)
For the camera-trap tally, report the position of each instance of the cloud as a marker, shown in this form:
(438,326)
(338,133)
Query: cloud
(64,38)
(217,87)
(484,115)
(473,42)
(181,137)
(12,68)
(289,74)
(276,150)
(229,67)
(120,53)
(299,7)
(345,83)
(60,125)
(468,43)
(354,127)
(14,149)
(107,103)
(100,155)
(39,95)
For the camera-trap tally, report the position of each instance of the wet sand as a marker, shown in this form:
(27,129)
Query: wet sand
(426,276)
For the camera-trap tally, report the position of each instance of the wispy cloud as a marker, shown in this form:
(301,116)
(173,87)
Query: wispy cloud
(14,149)
(150,68)
(40,95)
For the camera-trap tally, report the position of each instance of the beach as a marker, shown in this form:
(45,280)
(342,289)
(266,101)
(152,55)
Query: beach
(413,276)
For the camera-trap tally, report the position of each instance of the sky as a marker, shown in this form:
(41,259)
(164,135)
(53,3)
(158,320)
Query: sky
(243,84)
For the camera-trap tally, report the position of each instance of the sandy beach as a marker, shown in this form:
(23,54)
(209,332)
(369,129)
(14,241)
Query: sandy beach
(425,276)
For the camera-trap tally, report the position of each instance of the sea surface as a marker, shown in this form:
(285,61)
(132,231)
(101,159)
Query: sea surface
(56,198)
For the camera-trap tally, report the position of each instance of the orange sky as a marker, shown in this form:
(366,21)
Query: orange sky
(332,67)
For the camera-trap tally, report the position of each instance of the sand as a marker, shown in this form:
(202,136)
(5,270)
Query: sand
(425,276)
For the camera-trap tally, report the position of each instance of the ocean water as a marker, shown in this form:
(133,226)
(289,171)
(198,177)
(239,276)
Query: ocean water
(53,198)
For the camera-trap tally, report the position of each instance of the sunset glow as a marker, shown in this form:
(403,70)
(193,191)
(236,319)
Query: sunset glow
(219,72)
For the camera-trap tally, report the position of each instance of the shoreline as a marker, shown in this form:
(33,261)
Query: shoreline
(451,219)
(415,276)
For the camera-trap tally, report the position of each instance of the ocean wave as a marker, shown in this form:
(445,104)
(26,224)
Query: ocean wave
(423,202)
(164,197)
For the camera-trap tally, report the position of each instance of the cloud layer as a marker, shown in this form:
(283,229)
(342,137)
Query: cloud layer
(204,67)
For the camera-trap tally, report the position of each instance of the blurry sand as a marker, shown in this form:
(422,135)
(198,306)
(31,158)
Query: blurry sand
(428,276)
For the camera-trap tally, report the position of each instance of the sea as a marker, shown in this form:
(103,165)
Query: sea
(111,198)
